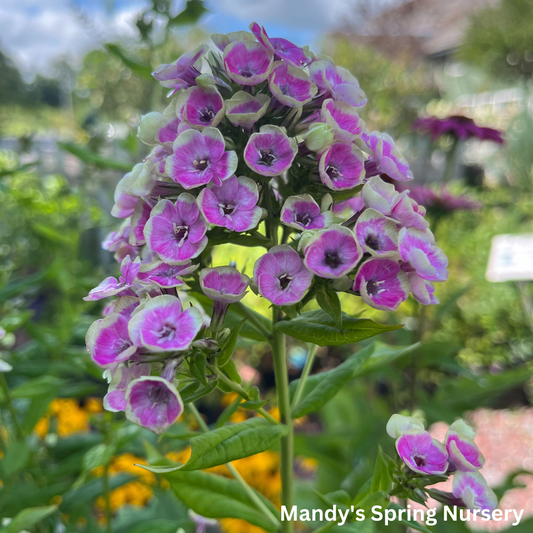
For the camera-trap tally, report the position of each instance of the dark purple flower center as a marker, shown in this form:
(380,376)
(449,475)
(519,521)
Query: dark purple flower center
(206,115)
(226,208)
(167,332)
(284,281)
(419,460)
(332,259)
(333,172)
(267,158)
(201,165)
(372,241)
(181,232)
(121,345)
(303,218)
(372,287)
(246,72)
(158,394)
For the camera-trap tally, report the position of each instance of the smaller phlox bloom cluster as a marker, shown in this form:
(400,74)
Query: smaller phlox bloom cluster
(457,456)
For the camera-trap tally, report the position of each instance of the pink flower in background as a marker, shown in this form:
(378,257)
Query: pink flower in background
(281,276)
(379,195)
(163,275)
(422,290)
(200,107)
(247,62)
(111,286)
(473,490)
(153,402)
(459,126)
(419,250)
(344,118)
(303,213)
(441,199)
(200,158)
(409,213)
(245,110)
(176,231)
(291,85)
(270,152)
(108,341)
(233,205)
(377,234)
(161,326)
(332,252)
(338,82)
(183,72)
(121,377)
(386,157)
(341,166)
(421,453)
(281,48)
(382,284)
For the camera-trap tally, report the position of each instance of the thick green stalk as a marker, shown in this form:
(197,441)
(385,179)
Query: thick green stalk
(305,373)
(284,405)
(252,318)
(234,472)
(10,408)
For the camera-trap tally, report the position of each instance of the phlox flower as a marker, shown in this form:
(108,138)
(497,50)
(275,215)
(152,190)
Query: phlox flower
(270,152)
(139,218)
(332,252)
(247,62)
(164,275)
(377,234)
(422,290)
(303,213)
(222,40)
(418,249)
(121,377)
(111,286)
(243,109)
(382,284)
(379,195)
(421,453)
(281,48)
(409,213)
(344,119)
(200,107)
(473,490)
(159,325)
(387,158)
(124,305)
(341,166)
(400,424)
(200,158)
(233,205)
(281,276)
(464,454)
(176,231)
(291,85)
(349,208)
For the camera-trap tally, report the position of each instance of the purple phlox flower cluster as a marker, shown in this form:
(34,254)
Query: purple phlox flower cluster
(258,133)
(458,455)
(441,199)
(459,126)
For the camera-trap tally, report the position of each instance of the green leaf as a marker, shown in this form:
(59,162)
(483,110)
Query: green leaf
(142,70)
(229,346)
(190,15)
(229,443)
(27,518)
(329,301)
(16,457)
(381,480)
(38,387)
(413,524)
(318,391)
(198,369)
(98,455)
(383,355)
(88,156)
(319,328)
(215,496)
(254,404)
(231,371)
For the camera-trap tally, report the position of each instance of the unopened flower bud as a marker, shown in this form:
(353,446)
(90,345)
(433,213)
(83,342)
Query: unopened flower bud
(207,344)
(205,80)
(148,127)
(223,334)
(319,136)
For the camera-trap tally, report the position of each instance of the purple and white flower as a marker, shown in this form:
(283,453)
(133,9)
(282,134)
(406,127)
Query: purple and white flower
(409,213)
(341,84)
(200,107)
(121,377)
(418,249)
(176,232)
(270,152)
(291,85)
(332,252)
(243,109)
(303,213)
(377,234)
(281,48)
(422,290)
(382,284)
(108,341)
(222,40)
(387,158)
(139,218)
(159,325)
(379,195)
(464,454)
(233,205)
(164,275)
(342,166)
(248,62)
(200,158)
(125,201)
(473,490)
(344,119)
(400,424)
(421,453)
(111,286)
(281,276)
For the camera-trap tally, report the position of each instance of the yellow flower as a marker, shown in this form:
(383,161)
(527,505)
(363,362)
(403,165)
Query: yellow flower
(71,418)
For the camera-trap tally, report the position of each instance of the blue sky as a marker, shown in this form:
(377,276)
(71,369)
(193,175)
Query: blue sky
(35,33)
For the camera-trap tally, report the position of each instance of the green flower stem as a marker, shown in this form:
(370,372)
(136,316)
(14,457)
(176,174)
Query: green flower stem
(284,405)
(107,499)
(251,492)
(305,372)
(10,408)
(235,387)
(450,161)
(252,319)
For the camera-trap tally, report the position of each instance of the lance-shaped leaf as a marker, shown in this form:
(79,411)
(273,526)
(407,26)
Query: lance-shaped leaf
(215,496)
(27,518)
(319,328)
(228,443)
(329,301)
(229,346)
(324,386)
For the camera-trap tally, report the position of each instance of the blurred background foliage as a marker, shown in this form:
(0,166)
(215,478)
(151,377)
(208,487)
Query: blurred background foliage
(65,142)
